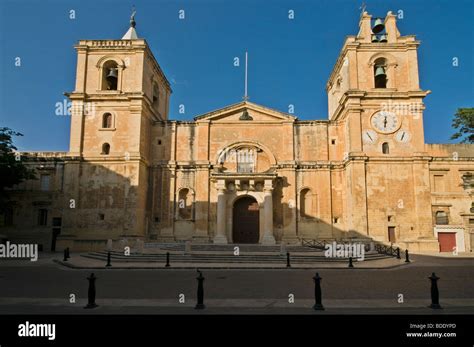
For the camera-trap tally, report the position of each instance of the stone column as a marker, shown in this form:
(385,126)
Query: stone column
(220,236)
(268,238)
(468,232)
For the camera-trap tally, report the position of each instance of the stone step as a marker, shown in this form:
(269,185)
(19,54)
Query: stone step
(224,255)
(207,258)
(224,261)
(227,247)
(198,253)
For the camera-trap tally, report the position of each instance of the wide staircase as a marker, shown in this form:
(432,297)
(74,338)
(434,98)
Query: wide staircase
(212,253)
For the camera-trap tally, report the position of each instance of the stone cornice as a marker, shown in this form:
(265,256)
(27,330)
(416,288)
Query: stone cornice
(387,47)
(244,176)
(451,160)
(449,226)
(106,96)
(323,122)
(394,93)
(114,159)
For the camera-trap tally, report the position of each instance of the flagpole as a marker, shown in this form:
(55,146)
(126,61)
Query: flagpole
(246,62)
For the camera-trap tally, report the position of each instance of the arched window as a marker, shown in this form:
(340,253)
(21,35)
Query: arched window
(185,204)
(156,94)
(110,75)
(105,149)
(441,218)
(385,148)
(107,121)
(380,73)
(306,203)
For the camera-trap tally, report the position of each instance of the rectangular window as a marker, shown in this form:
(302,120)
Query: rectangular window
(245,161)
(44,182)
(42,216)
(442,218)
(245,167)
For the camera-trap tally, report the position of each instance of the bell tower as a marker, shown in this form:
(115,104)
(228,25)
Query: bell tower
(120,92)
(374,90)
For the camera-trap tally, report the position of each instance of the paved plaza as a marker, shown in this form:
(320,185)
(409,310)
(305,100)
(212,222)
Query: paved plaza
(45,287)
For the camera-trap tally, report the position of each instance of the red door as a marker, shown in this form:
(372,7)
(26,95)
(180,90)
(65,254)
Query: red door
(447,242)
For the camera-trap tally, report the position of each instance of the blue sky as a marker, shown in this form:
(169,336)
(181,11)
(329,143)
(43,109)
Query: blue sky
(289,60)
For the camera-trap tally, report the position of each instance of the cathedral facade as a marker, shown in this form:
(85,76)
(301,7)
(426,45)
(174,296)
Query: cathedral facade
(246,173)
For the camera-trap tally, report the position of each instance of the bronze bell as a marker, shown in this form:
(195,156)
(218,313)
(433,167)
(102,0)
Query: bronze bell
(112,74)
(375,38)
(378,26)
(379,71)
(383,38)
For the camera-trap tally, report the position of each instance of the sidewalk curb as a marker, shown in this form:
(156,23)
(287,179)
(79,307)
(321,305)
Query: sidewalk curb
(444,257)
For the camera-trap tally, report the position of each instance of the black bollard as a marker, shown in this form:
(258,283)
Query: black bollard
(288,259)
(200,292)
(91,292)
(318,306)
(407,258)
(434,292)
(65,255)
(167,259)
(350,262)
(398,253)
(108,260)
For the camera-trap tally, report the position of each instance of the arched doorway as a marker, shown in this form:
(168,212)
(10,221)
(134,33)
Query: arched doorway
(245,221)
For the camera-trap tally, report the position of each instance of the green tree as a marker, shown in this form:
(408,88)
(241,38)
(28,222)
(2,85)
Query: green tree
(463,122)
(12,168)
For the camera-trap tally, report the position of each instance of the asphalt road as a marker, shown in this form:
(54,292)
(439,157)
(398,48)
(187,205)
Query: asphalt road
(31,287)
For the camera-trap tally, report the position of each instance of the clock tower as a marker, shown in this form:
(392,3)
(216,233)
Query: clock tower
(375,109)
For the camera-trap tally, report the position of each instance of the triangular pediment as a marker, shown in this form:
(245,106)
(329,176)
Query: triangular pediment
(245,112)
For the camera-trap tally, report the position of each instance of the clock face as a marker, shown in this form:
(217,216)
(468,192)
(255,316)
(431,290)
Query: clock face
(369,136)
(403,136)
(385,122)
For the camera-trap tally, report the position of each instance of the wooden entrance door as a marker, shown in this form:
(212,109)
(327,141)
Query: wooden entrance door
(56,231)
(447,242)
(245,221)
(391,234)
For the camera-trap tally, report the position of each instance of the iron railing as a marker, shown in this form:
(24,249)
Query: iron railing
(378,247)
(388,250)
